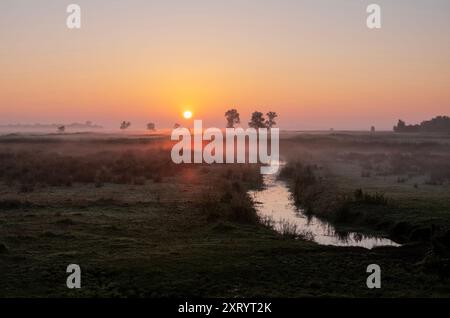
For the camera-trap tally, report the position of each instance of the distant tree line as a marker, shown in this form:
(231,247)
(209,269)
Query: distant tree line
(437,124)
(87,124)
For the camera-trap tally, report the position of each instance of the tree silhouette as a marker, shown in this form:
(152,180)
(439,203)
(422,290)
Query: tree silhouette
(270,122)
(125,125)
(232,117)
(151,126)
(439,124)
(400,126)
(257,120)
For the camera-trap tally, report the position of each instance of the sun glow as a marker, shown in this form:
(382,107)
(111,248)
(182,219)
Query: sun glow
(187,114)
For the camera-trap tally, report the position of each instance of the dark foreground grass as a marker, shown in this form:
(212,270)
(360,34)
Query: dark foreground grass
(147,251)
(172,247)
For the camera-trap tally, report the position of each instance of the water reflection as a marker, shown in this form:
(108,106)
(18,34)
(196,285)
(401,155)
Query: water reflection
(275,203)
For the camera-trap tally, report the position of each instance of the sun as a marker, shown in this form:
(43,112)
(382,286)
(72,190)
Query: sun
(187,114)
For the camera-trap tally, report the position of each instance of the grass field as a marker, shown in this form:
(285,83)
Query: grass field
(140,226)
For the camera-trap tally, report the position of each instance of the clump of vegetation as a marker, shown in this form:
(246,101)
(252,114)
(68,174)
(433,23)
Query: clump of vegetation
(267,221)
(290,230)
(285,228)
(439,124)
(321,197)
(236,205)
(309,191)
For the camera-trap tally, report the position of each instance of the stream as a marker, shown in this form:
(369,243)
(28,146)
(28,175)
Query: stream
(275,201)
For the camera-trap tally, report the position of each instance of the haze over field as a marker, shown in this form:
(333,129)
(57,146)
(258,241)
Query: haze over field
(314,62)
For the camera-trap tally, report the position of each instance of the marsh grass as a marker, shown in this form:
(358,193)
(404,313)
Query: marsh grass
(291,230)
(181,236)
(321,196)
(28,169)
(234,204)
(286,228)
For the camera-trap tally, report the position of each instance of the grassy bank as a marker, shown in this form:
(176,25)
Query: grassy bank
(320,194)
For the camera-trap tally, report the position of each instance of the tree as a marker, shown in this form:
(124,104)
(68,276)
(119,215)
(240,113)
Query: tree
(400,126)
(151,126)
(270,122)
(232,117)
(61,129)
(125,125)
(257,120)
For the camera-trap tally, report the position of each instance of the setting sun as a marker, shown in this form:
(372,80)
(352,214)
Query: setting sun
(187,114)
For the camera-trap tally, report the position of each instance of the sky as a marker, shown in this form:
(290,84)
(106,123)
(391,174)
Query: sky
(314,62)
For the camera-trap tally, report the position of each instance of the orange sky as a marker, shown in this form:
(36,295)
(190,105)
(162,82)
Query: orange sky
(313,62)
